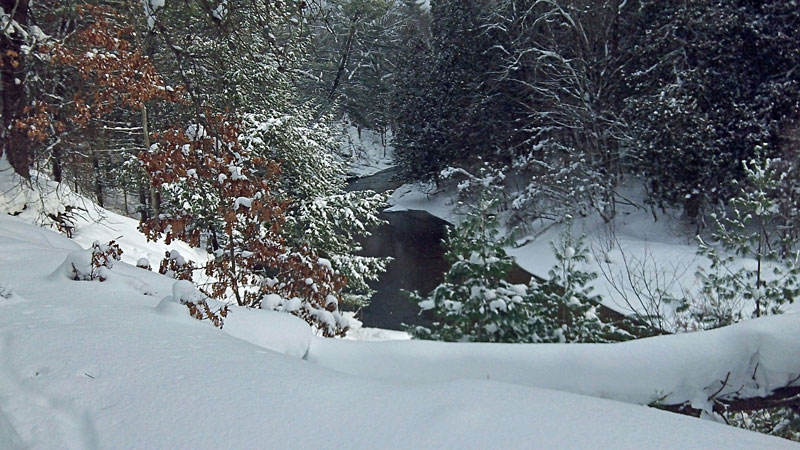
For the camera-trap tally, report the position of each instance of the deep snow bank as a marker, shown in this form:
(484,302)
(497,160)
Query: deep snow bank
(87,365)
(755,357)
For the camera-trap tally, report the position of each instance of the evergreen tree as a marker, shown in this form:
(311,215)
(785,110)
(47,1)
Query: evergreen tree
(414,111)
(14,36)
(748,231)
(353,58)
(220,193)
(711,80)
(443,122)
(262,45)
(475,303)
(566,311)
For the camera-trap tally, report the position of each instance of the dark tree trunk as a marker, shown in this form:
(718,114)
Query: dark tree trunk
(98,181)
(346,51)
(58,171)
(143,210)
(13,142)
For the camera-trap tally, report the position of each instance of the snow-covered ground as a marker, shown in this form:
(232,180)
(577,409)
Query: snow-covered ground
(121,364)
(85,364)
(366,153)
(632,249)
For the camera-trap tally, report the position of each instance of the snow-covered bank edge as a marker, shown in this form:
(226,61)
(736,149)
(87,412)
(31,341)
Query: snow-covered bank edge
(631,251)
(752,359)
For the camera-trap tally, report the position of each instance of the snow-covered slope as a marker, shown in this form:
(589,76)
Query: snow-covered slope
(633,249)
(86,365)
(91,222)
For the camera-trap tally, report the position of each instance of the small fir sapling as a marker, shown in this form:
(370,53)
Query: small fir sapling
(475,303)
(566,310)
(747,230)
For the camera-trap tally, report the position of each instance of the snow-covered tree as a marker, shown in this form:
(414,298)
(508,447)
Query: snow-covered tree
(220,194)
(748,231)
(352,58)
(557,64)
(437,110)
(414,110)
(262,48)
(566,309)
(475,303)
(14,36)
(710,80)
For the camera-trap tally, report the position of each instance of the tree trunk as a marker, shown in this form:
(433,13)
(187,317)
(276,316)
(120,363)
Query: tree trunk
(98,180)
(788,396)
(346,51)
(14,144)
(155,197)
(143,211)
(58,171)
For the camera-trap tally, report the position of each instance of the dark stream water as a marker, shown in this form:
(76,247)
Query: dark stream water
(414,239)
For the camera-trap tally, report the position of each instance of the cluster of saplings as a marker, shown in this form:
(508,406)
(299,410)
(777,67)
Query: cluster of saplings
(475,302)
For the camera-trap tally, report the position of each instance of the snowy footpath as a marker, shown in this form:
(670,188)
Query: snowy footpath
(117,364)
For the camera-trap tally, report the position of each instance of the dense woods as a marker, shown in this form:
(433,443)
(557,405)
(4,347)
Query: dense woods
(564,99)
(572,97)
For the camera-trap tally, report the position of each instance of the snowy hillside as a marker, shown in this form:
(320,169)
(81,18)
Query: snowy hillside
(117,364)
(627,253)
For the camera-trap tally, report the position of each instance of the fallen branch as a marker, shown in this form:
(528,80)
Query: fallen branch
(788,396)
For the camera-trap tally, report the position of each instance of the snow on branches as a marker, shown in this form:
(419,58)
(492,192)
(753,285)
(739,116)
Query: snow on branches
(109,71)
(218,194)
(93,263)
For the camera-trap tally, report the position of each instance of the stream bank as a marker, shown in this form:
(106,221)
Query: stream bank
(413,238)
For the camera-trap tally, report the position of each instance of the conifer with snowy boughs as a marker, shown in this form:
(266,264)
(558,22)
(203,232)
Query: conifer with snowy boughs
(319,214)
(475,303)
(264,39)
(352,58)
(218,193)
(708,81)
(439,120)
(748,231)
(566,310)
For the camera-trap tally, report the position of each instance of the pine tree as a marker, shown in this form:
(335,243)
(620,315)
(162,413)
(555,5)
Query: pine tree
(566,310)
(475,303)
(264,46)
(437,100)
(414,111)
(710,81)
(352,59)
(748,231)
